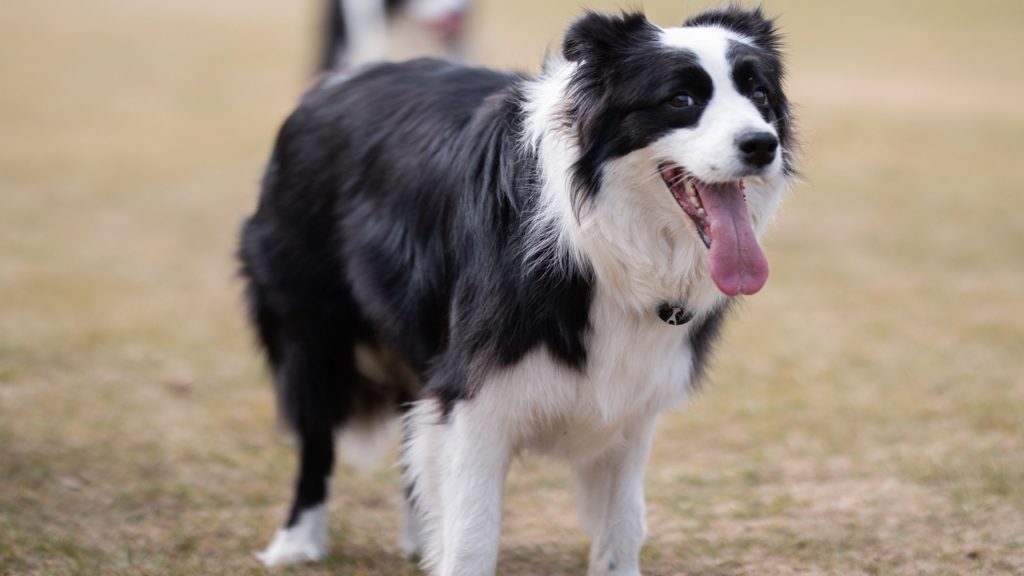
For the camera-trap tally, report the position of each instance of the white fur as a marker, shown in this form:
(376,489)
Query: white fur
(611,500)
(433,10)
(306,541)
(420,459)
(550,137)
(366,23)
(599,420)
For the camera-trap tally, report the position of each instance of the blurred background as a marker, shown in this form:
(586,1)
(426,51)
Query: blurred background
(865,414)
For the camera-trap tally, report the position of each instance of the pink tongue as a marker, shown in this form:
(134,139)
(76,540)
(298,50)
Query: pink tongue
(738,265)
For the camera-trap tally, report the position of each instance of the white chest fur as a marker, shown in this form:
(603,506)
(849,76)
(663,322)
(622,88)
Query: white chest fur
(636,367)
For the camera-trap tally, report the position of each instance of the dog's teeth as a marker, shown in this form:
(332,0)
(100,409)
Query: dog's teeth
(691,194)
(701,212)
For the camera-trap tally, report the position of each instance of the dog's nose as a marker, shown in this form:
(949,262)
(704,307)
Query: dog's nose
(758,148)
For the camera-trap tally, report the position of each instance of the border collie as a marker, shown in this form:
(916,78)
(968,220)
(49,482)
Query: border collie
(514,264)
(357,30)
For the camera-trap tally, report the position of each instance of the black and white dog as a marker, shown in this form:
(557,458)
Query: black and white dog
(357,31)
(515,264)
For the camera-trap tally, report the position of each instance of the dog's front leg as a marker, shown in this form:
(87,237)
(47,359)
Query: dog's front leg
(611,503)
(471,494)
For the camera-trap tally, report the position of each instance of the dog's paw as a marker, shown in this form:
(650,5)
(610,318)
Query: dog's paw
(289,549)
(305,541)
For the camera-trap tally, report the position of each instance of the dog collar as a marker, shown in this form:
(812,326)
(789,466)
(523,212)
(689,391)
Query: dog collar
(674,313)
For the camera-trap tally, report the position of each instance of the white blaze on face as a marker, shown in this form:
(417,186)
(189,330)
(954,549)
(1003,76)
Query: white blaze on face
(708,150)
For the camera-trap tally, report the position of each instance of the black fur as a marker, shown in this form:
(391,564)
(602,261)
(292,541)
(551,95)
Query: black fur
(703,338)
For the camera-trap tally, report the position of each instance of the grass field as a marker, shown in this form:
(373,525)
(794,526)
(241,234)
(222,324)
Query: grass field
(866,411)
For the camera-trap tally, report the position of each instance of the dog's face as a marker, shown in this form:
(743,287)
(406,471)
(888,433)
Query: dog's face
(689,126)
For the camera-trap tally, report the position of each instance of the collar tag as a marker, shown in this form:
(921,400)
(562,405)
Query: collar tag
(674,313)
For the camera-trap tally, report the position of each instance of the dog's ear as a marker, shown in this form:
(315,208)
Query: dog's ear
(598,36)
(750,23)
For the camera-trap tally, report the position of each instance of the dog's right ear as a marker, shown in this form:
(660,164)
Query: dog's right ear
(596,36)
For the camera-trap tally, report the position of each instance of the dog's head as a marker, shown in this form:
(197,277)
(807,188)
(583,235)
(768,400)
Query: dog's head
(685,130)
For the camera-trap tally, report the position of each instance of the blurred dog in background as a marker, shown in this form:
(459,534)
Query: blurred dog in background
(360,31)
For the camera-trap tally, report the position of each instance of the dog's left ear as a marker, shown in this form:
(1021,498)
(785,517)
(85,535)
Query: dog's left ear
(750,23)
(596,36)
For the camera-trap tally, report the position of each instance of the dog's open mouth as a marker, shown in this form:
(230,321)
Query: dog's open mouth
(721,220)
(684,188)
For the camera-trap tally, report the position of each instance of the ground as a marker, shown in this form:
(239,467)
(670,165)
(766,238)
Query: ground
(866,410)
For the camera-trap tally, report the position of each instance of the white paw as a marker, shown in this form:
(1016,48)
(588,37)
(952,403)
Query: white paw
(306,541)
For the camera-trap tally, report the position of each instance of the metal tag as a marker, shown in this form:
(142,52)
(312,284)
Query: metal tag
(674,313)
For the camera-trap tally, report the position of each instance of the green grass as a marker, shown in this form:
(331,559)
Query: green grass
(866,412)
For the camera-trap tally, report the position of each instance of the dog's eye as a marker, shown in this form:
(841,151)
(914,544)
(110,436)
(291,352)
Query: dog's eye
(682,101)
(759,97)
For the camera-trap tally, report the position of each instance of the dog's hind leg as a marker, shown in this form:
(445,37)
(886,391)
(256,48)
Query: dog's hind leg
(311,354)
(309,381)
(304,536)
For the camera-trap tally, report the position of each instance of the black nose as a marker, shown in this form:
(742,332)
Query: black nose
(758,148)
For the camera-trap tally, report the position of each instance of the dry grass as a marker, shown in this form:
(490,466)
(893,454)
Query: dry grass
(867,411)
